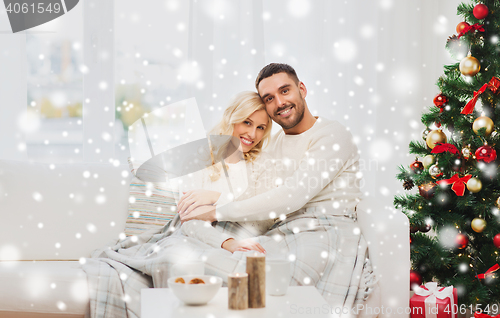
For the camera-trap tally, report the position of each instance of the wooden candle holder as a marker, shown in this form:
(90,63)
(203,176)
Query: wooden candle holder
(237,291)
(256,270)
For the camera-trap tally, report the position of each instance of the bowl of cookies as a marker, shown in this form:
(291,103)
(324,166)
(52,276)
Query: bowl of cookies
(195,289)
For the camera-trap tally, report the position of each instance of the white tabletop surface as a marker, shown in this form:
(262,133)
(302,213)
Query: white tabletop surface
(303,301)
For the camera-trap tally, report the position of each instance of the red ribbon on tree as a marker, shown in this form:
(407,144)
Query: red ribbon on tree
(490,271)
(458,183)
(443,147)
(478,314)
(470,105)
(474,27)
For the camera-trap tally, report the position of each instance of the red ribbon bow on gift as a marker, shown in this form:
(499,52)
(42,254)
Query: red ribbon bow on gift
(443,147)
(481,315)
(490,271)
(458,183)
(474,27)
(470,105)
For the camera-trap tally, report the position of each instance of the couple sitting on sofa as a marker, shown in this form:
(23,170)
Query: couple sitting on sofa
(295,198)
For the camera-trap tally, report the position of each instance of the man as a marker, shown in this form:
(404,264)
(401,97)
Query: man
(315,198)
(316,158)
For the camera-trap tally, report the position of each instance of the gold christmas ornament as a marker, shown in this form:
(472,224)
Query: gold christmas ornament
(469,66)
(483,122)
(478,225)
(428,161)
(434,137)
(435,172)
(498,202)
(474,185)
(466,152)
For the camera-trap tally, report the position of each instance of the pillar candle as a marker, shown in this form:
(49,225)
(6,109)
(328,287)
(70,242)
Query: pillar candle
(237,291)
(256,270)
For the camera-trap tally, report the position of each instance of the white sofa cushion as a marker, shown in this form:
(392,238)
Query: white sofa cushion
(60,212)
(50,287)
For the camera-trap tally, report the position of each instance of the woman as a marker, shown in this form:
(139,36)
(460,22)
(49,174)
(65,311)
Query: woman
(116,274)
(248,174)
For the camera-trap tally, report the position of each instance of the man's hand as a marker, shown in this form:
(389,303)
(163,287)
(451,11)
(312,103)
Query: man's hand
(204,213)
(233,245)
(195,198)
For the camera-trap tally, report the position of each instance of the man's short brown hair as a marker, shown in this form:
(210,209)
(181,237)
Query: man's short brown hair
(275,68)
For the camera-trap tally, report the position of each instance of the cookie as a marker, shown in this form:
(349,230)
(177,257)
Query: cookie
(180,280)
(196,281)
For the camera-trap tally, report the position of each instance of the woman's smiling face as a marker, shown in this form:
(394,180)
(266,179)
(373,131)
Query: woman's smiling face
(251,130)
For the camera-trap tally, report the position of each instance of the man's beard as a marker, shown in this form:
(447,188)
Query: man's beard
(298,119)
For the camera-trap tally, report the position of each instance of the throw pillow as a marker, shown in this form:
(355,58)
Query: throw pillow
(151,205)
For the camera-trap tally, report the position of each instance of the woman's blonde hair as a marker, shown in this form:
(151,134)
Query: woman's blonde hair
(240,108)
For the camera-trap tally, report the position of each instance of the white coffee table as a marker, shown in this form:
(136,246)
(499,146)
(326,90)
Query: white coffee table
(303,301)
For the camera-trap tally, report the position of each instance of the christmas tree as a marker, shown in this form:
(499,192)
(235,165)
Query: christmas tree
(456,168)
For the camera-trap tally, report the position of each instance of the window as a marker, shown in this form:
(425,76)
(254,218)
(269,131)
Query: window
(151,42)
(55,67)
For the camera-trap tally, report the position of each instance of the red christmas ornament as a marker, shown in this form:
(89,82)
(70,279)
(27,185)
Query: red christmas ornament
(486,154)
(425,228)
(461,26)
(411,241)
(440,100)
(417,167)
(496,240)
(415,279)
(480,11)
(461,241)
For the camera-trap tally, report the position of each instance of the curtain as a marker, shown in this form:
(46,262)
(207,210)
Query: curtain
(371,65)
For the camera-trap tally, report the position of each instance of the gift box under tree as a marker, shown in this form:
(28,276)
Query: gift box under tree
(431,301)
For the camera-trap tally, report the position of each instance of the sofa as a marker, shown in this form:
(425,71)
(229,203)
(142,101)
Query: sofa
(53,216)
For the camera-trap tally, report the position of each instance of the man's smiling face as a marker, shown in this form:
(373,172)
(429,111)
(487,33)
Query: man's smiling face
(284,99)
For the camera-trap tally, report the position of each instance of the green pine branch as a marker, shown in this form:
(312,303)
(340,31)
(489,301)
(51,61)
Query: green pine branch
(432,255)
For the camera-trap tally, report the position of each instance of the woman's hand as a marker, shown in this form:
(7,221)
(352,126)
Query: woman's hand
(233,245)
(203,212)
(195,198)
